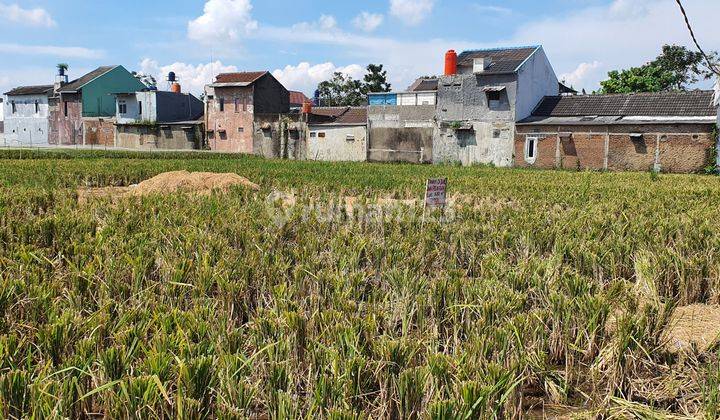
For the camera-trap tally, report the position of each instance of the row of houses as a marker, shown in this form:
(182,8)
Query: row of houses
(503,107)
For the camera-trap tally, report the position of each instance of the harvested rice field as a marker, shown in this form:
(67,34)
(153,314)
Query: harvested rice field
(236,287)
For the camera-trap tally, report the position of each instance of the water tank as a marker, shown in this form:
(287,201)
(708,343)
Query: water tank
(451,63)
(175,88)
(172,77)
(307,107)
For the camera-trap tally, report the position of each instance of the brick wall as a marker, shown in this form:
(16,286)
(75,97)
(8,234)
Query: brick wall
(231,129)
(66,129)
(99,131)
(680,148)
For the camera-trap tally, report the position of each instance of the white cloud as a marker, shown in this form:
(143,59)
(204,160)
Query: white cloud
(305,77)
(498,10)
(325,24)
(52,50)
(193,78)
(623,34)
(32,17)
(223,21)
(368,22)
(579,76)
(411,12)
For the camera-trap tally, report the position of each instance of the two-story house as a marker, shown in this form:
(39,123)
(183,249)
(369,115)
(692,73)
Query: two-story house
(26,116)
(481,96)
(240,109)
(153,119)
(82,111)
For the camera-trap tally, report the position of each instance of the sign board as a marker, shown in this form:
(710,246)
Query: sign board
(436,193)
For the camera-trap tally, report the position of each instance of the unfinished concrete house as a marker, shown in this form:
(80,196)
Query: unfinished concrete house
(337,134)
(83,111)
(244,113)
(26,116)
(481,96)
(159,120)
(669,132)
(401,124)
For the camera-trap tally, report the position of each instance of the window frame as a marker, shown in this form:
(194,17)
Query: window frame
(13,105)
(122,107)
(37,107)
(221,104)
(534,140)
(350,137)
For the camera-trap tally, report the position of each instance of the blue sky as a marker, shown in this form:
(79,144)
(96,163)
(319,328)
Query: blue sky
(304,41)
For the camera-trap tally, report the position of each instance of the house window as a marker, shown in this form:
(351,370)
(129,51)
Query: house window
(122,107)
(493,99)
(350,137)
(531,149)
(65,108)
(321,135)
(241,129)
(37,107)
(313,134)
(140,109)
(211,135)
(222,104)
(14,108)
(237,105)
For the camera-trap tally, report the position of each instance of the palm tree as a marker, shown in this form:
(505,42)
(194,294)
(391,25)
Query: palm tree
(62,68)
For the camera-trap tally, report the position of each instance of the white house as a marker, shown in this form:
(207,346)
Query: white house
(26,115)
(337,134)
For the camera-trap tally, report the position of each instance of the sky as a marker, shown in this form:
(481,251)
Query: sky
(304,41)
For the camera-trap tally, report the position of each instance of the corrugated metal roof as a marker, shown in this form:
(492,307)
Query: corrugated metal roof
(665,104)
(78,84)
(30,90)
(502,60)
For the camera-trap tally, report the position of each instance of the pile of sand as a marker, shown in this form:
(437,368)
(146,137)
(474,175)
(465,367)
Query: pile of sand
(199,183)
(190,182)
(695,325)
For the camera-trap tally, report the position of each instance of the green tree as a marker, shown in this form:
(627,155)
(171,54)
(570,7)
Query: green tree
(677,68)
(376,80)
(341,90)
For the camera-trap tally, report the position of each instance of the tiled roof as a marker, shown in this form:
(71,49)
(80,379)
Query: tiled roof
(424,85)
(248,77)
(665,104)
(30,90)
(77,84)
(344,115)
(298,98)
(502,60)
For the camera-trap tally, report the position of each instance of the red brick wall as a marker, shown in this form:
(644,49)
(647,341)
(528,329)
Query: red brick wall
(223,127)
(99,131)
(683,148)
(66,130)
(544,154)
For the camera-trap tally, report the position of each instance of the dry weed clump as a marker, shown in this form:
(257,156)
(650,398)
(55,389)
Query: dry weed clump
(548,294)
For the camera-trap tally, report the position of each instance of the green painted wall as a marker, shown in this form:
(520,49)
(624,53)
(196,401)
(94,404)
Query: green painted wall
(97,96)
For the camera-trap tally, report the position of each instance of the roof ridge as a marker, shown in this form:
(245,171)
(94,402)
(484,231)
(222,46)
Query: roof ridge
(523,47)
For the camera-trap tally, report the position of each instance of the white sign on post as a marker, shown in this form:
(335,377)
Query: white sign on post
(435,195)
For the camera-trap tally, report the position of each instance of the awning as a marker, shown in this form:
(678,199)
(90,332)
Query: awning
(494,88)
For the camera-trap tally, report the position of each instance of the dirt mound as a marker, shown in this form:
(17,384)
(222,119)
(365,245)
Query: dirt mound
(695,325)
(199,183)
(193,182)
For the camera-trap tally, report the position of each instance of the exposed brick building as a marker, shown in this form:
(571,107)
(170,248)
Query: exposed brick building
(670,132)
(237,105)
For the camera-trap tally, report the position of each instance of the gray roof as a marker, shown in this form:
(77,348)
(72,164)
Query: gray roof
(30,90)
(502,60)
(424,85)
(78,84)
(664,104)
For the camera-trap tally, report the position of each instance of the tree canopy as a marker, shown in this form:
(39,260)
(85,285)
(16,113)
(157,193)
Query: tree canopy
(343,90)
(677,68)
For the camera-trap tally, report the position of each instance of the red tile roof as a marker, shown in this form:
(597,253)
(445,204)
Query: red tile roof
(298,98)
(248,77)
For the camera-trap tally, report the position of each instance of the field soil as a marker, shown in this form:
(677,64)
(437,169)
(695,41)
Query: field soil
(694,327)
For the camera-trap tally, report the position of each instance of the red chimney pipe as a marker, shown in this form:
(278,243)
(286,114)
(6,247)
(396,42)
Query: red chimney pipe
(450,63)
